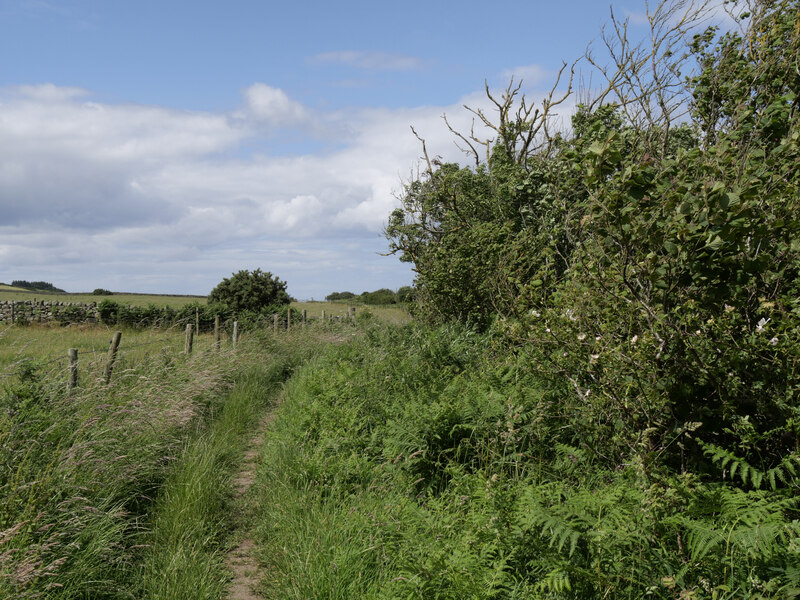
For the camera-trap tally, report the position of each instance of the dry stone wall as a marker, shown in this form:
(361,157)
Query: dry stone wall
(42,311)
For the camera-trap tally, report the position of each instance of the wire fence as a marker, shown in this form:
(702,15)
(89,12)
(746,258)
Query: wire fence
(168,338)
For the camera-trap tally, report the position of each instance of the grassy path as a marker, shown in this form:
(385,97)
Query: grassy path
(186,547)
(241,561)
(196,539)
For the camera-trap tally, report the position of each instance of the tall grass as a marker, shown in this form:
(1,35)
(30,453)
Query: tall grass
(79,473)
(186,544)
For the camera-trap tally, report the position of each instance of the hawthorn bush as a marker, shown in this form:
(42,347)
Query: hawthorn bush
(647,264)
(250,291)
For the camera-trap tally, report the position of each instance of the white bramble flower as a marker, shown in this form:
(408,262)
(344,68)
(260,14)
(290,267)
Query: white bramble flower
(761,323)
(581,337)
(593,358)
(634,339)
(773,341)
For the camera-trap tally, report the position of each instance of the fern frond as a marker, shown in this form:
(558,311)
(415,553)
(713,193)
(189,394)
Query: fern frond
(559,532)
(754,524)
(725,458)
(556,581)
(702,538)
(759,542)
(786,471)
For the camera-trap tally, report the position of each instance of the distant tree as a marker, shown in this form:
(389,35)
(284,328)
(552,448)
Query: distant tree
(340,296)
(43,286)
(102,292)
(250,291)
(381,296)
(405,294)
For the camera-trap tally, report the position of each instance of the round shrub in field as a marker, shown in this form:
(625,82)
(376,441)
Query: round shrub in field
(379,297)
(250,291)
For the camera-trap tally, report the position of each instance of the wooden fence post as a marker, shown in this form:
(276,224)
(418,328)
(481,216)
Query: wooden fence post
(216,333)
(112,356)
(323,316)
(72,381)
(197,320)
(235,333)
(187,346)
(305,317)
(275,322)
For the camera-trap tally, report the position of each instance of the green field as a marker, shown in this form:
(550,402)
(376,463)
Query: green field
(18,294)
(388,313)
(48,345)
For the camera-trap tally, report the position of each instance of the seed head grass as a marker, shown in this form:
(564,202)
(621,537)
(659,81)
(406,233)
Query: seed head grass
(82,472)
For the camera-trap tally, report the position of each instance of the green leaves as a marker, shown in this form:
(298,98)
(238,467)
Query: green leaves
(250,291)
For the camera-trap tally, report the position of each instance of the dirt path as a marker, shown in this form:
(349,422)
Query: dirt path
(241,560)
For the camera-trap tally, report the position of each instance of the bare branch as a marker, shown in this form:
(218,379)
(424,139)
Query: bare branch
(467,141)
(424,150)
(645,79)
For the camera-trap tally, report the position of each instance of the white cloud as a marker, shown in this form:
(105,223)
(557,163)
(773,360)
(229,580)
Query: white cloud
(295,213)
(273,106)
(150,199)
(378,61)
(108,132)
(48,92)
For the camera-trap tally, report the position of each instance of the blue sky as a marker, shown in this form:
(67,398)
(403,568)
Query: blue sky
(160,146)
(197,55)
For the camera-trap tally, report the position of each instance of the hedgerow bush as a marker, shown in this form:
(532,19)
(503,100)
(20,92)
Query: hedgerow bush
(423,463)
(250,291)
(647,264)
(115,313)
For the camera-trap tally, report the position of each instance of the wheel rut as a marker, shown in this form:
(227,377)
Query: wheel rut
(241,560)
